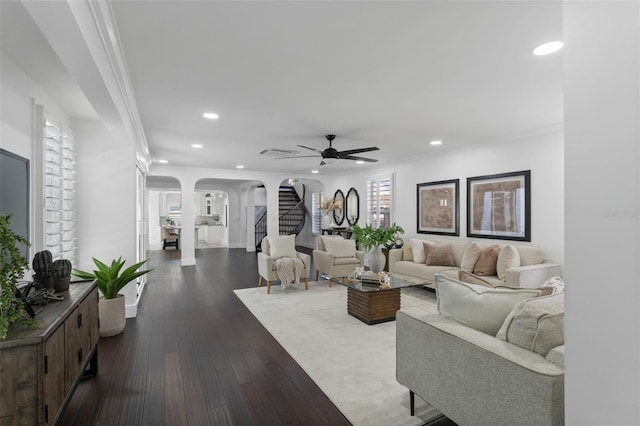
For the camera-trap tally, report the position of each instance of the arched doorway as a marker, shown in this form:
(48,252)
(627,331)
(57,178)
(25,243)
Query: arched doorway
(165,207)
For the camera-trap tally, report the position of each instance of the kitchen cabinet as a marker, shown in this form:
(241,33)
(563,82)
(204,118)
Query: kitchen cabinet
(40,367)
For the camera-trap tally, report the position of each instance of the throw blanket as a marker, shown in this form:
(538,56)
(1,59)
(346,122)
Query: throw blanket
(289,270)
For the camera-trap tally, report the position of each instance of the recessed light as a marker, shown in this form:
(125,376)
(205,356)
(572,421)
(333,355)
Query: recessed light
(239,166)
(211,115)
(314,172)
(196,145)
(163,161)
(548,48)
(359,162)
(436,142)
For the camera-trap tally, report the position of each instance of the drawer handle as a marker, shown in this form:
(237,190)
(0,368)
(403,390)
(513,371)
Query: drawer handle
(80,356)
(79,320)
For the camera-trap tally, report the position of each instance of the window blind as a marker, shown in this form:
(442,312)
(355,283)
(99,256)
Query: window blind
(316,213)
(379,200)
(59,191)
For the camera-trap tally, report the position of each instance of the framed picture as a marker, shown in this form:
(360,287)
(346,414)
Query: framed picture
(499,206)
(439,207)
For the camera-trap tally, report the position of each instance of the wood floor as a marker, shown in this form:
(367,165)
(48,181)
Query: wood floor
(195,355)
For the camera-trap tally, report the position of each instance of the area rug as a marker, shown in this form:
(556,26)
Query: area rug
(353,363)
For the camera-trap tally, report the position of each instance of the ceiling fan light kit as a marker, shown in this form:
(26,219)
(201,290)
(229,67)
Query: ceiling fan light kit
(329,155)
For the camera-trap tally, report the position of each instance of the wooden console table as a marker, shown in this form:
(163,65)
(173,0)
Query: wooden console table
(40,367)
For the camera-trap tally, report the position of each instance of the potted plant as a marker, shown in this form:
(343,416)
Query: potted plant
(372,239)
(12,270)
(111,279)
(61,273)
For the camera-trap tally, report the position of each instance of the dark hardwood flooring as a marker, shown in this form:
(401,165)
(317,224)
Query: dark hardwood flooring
(195,355)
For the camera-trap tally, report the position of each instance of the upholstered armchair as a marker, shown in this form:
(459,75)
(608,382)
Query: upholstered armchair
(274,248)
(336,256)
(170,237)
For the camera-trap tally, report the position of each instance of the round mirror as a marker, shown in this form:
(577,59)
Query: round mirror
(338,213)
(353,206)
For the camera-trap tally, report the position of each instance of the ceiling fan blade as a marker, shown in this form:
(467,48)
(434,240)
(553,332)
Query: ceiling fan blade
(312,149)
(351,157)
(357,151)
(298,156)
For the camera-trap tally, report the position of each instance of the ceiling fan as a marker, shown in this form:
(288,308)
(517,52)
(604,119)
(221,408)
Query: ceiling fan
(333,154)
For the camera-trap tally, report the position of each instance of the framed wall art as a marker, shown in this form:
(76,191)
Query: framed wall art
(439,207)
(499,206)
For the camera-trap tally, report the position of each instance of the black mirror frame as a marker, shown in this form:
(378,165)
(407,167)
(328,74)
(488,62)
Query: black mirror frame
(339,219)
(352,193)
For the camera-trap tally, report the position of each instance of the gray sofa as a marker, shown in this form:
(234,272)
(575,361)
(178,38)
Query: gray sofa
(534,269)
(477,379)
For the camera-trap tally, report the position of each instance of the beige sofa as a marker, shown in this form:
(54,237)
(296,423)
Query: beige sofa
(474,378)
(532,272)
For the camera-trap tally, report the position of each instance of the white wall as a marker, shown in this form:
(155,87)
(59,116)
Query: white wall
(602,116)
(543,155)
(106,206)
(18,95)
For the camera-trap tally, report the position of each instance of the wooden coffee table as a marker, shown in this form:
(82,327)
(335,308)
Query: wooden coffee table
(372,303)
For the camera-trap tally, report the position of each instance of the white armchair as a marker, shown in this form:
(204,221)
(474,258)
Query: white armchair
(336,256)
(267,261)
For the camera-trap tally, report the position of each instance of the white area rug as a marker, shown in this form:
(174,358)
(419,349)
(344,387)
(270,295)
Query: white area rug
(353,363)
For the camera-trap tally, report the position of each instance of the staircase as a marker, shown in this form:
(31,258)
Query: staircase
(291,214)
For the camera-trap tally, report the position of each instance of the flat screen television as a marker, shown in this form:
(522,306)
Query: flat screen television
(14,193)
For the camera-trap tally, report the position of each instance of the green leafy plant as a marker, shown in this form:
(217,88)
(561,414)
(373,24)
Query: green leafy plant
(12,270)
(110,278)
(369,237)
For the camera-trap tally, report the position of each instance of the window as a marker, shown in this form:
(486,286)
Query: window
(380,201)
(55,185)
(316,213)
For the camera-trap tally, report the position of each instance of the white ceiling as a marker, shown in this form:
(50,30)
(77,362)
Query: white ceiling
(389,74)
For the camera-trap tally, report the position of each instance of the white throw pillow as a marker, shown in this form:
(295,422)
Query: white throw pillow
(282,246)
(556,283)
(418,250)
(509,257)
(470,257)
(339,247)
(482,308)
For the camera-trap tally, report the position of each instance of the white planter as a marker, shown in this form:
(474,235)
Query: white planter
(375,259)
(327,221)
(112,316)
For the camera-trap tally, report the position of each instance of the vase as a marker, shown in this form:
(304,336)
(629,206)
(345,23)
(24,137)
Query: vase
(375,259)
(111,313)
(60,285)
(327,221)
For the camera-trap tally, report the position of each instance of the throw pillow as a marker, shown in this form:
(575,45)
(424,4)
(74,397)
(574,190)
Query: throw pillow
(282,246)
(556,284)
(535,324)
(339,247)
(470,256)
(486,264)
(467,277)
(482,308)
(438,254)
(418,250)
(509,257)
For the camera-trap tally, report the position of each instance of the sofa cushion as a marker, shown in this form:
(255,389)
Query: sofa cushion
(437,254)
(422,271)
(470,256)
(482,308)
(418,250)
(556,356)
(407,252)
(486,264)
(535,324)
(530,255)
(340,247)
(508,258)
(320,245)
(282,246)
(467,277)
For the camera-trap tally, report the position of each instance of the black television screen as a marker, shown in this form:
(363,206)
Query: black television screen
(14,193)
